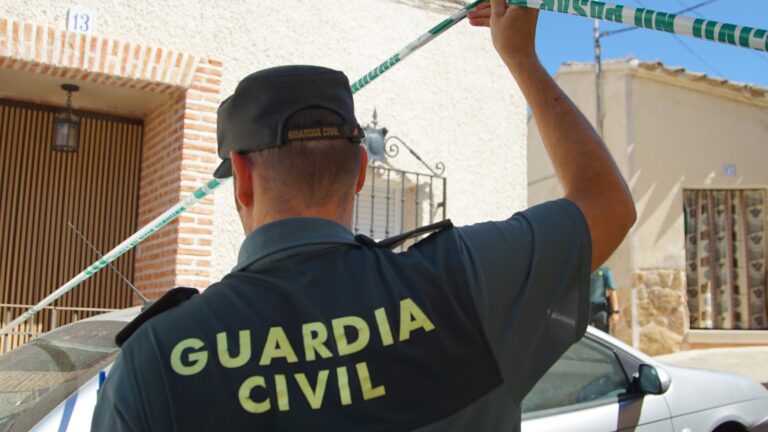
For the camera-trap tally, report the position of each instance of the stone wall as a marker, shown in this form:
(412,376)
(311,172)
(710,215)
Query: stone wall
(662,313)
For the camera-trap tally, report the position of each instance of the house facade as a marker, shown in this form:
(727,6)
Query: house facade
(150,78)
(691,273)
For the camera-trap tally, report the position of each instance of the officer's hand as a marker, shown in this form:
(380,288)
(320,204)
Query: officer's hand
(513,29)
(614,319)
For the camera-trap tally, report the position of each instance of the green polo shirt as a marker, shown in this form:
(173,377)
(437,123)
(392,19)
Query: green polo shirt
(314,330)
(601,280)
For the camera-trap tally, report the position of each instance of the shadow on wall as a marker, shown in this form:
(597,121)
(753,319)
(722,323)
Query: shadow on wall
(654,196)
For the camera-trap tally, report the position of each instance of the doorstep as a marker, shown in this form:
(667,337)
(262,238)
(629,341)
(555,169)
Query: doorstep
(702,339)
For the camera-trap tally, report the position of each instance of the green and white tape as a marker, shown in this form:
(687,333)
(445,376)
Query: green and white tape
(422,40)
(731,34)
(214,184)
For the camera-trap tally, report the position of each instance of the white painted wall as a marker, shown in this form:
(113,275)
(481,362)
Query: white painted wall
(667,134)
(684,137)
(453,101)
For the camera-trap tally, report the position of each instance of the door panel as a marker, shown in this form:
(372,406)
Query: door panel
(43,191)
(588,389)
(644,414)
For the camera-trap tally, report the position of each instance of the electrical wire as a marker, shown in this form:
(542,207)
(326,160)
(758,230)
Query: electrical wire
(687,47)
(761,56)
(687,9)
(695,54)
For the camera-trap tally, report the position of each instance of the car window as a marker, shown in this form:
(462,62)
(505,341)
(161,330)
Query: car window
(44,368)
(588,371)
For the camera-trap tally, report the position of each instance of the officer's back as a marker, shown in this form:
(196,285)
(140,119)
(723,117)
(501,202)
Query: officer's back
(322,337)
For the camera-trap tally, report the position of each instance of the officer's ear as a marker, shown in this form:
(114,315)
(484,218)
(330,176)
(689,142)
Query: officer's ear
(363,169)
(242,179)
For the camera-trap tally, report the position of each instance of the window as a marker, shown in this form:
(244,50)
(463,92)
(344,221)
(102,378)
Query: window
(587,372)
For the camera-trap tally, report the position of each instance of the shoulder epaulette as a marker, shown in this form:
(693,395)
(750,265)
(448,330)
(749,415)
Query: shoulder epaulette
(170,300)
(395,241)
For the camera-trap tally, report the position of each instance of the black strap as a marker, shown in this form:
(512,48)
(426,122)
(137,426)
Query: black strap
(395,241)
(170,300)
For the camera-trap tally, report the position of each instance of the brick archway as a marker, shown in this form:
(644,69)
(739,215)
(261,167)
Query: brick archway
(179,143)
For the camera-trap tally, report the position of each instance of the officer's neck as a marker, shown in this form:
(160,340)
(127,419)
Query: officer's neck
(262,215)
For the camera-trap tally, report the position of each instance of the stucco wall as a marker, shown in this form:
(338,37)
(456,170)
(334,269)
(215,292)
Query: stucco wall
(453,101)
(683,138)
(667,133)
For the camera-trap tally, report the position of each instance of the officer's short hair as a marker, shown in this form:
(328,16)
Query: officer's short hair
(314,172)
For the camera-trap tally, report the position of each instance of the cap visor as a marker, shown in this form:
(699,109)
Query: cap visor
(224,170)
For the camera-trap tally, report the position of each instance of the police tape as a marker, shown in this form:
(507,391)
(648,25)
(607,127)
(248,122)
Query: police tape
(700,28)
(214,184)
(419,42)
(120,249)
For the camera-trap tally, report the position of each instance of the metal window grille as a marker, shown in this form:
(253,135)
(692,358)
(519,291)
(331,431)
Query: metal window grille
(393,201)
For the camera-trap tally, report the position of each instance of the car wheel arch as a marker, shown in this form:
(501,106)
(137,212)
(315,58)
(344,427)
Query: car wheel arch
(730,426)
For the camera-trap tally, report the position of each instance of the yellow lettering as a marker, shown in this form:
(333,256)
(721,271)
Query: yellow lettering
(315,334)
(314,395)
(412,318)
(282,393)
(330,131)
(244,394)
(243,352)
(343,379)
(342,344)
(369,392)
(277,345)
(304,133)
(198,359)
(384,330)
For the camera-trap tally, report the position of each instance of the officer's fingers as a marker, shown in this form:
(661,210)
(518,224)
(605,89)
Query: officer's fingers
(498,8)
(484,12)
(482,6)
(480,22)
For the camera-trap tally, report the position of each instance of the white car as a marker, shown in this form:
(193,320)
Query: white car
(600,384)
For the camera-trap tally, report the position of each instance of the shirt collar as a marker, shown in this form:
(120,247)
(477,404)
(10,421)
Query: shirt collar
(290,233)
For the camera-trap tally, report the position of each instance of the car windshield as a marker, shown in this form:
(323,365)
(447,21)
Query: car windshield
(47,367)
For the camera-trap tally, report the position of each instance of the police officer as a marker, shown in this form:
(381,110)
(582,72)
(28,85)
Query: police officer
(603,300)
(316,329)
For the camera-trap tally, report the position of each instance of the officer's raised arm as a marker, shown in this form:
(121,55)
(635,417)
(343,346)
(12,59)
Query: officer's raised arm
(581,161)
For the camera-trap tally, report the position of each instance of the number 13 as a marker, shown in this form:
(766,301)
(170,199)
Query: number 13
(81,22)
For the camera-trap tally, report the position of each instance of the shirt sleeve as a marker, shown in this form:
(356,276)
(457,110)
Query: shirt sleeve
(609,282)
(529,276)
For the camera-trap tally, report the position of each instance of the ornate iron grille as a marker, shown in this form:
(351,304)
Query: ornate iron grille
(393,200)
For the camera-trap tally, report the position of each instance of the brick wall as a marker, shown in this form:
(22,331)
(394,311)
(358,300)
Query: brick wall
(179,149)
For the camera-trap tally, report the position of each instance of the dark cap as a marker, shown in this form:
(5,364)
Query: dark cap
(252,118)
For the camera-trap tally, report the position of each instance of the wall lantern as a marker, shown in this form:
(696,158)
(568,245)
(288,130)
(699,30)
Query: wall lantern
(66,125)
(374,140)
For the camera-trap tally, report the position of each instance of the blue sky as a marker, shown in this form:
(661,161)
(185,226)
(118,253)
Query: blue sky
(565,38)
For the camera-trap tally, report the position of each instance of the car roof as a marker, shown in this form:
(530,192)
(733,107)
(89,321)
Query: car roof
(125,315)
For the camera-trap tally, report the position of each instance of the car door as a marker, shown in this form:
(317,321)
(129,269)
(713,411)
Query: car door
(590,390)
